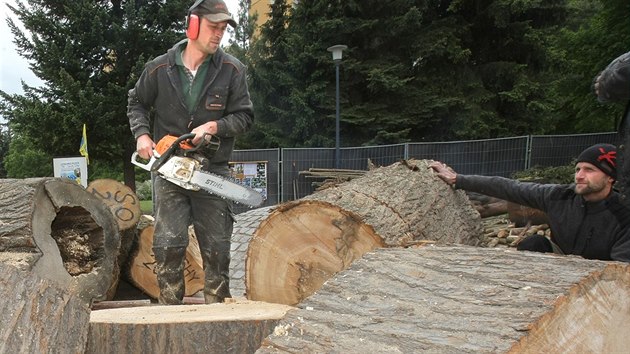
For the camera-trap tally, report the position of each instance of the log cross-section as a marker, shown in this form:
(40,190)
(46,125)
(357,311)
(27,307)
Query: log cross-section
(300,244)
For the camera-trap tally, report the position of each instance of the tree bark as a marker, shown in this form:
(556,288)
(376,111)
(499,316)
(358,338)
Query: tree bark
(38,315)
(140,267)
(301,244)
(218,328)
(459,299)
(244,226)
(66,234)
(125,207)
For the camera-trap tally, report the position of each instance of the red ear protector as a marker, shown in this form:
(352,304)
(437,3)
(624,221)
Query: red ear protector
(192,21)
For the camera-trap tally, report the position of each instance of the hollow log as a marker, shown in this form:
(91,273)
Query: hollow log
(140,268)
(125,207)
(237,327)
(64,233)
(461,299)
(305,242)
(38,315)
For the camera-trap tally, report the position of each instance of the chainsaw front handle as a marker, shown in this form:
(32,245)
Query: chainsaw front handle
(136,160)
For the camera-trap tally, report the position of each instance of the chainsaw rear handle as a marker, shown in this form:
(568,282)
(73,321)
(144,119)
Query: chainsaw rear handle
(169,152)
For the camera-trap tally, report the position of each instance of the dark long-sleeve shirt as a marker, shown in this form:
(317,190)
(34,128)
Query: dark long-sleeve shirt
(593,230)
(224,99)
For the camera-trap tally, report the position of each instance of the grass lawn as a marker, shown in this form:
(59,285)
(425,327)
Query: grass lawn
(146,206)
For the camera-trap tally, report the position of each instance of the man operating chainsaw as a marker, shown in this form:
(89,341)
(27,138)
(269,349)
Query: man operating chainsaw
(195,87)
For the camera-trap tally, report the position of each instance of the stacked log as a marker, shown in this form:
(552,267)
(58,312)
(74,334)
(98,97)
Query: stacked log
(501,231)
(460,299)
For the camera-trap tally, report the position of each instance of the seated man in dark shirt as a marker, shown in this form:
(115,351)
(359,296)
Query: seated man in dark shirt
(586,217)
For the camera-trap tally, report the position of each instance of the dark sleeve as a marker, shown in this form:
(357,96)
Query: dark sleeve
(621,249)
(534,195)
(614,81)
(239,109)
(140,101)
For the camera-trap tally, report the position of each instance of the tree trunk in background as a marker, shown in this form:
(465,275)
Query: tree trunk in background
(301,244)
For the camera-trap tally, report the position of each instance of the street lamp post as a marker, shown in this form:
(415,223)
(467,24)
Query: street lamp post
(337,53)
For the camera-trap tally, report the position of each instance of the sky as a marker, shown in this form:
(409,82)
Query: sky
(14,68)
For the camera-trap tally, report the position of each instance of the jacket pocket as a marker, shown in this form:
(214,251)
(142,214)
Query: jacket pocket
(216,99)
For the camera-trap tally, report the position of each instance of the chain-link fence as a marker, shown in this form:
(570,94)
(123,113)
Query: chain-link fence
(286,169)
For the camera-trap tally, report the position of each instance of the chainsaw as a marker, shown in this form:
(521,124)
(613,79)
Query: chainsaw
(180,162)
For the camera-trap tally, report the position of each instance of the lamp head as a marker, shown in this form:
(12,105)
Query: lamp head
(337,51)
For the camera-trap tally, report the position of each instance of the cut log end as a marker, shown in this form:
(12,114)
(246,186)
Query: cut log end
(591,317)
(218,328)
(287,262)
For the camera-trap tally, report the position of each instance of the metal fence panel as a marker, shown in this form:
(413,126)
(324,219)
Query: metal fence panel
(356,158)
(560,150)
(295,186)
(497,157)
(294,161)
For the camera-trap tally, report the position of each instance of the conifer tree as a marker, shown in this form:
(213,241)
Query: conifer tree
(88,54)
(413,71)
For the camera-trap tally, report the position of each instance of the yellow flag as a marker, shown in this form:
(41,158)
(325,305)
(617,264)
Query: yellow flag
(83,148)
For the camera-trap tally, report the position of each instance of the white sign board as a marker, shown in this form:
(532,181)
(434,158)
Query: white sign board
(72,168)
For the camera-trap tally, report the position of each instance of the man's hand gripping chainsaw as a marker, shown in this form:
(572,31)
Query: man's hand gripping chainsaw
(179,162)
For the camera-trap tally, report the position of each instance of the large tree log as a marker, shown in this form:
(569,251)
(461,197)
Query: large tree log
(302,243)
(125,207)
(38,315)
(244,226)
(65,233)
(237,327)
(459,299)
(140,268)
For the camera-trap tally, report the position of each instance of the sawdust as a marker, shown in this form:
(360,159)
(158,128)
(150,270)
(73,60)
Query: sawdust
(76,251)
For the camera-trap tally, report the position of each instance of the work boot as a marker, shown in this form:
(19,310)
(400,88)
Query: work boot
(216,291)
(169,268)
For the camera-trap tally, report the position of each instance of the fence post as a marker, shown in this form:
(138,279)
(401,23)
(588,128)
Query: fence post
(528,152)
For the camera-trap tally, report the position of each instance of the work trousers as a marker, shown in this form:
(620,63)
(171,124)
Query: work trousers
(211,216)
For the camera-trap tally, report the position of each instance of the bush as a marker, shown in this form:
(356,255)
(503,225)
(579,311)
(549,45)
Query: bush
(557,174)
(144,190)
